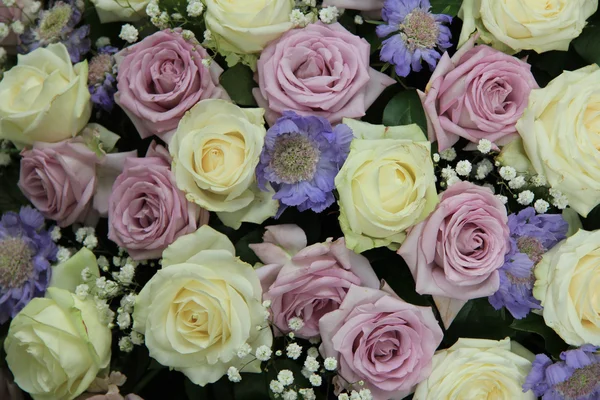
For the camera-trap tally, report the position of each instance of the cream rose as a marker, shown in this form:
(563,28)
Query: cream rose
(44,98)
(568,285)
(386,185)
(515,25)
(201,307)
(246,26)
(120,10)
(56,346)
(215,151)
(561,135)
(478,369)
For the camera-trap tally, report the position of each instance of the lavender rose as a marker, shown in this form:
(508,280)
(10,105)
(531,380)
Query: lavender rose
(307,282)
(382,340)
(146,210)
(479,93)
(320,70)
(162,77)
(457,251)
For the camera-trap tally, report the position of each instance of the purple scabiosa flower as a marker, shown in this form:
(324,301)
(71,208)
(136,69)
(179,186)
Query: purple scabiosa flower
(58,24)
(26,250)
(101,78)
(575,377)
(531,235)
(421,35)
(301,158)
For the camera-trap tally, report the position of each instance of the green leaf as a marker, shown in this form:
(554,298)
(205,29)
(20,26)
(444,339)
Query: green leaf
(11,198)
(534,323)
(238,81)
(195,392)
(243,251)
(405,108)
(586,44)
(252,386)
(448,7)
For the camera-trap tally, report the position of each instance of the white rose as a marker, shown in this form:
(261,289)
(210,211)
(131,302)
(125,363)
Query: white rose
(386,185)
(201,307)
(44,98)
(561,135)
(120,10)
(215,151)
(246,26)
(57,345)
(568,285)
(478,369)
(515,25)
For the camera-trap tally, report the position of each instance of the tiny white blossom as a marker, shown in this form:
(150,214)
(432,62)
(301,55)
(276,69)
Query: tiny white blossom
(276,387)
(124,320)
(354,395)
(86,274)
(295,323)
(9,3)
(297,18)
(194,8)
(294,350)
(330,364)
(82,291)
(517,183)
(105,313)
(34,7)
(177,16)
(81,234)
(91,241)
(117,261)
(329,14)
(315,380)
(453,180)
(448,154)
(244,350)
(55,233)
(508,173)
(279,353)
(314,340)
(102,41)
(187,34)
(129,33)
(484,167)
(307,394)
(18,27)
(233,374)
(538,180)
(436,157)
(310,3)
(463,168)
(125,344)
(263,353)
(207,35)
(541,206)
(313,352)
(344,396)
(152,9)
(100,282)
(286,377)
(311,364)
(128,301)
(361,383)
(448,172)
(358,20)
(291,335)
(126,274)
(290,395)
(525,197)
(4,30)
(484,146)
(365,394)
(63,254)
(103,263)
(266,303)
(206,62)
(137,338)
(503,199)
(111,289)
(559,200)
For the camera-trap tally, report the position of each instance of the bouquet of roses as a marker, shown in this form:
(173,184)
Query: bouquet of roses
(299,199)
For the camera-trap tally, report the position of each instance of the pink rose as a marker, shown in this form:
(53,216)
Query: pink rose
(479,93)
(457,251)
(65,180)
(382,340)
(162,77)
(319,70)
(307,282)
(147,211)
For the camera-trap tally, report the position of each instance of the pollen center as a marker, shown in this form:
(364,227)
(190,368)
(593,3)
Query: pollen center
(419,30)
(54,20)
(532,247)
(582,383)
(294,158)
(16,265)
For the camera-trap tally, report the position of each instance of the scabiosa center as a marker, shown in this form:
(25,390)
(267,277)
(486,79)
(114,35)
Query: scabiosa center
(16,266)
(53,21)
(295,158)
(532,247)
(582,383)
(419,30)
(99,66)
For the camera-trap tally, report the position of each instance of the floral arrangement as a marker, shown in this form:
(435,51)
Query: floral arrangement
(299,199)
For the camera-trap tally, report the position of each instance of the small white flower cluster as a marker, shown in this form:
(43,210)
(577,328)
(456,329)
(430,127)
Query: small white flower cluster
(516,182)
(329,15)
(448,154)
(63,254)
(194,8)
(129,33)
(300,19)
(296,323)
(55,233)
(559,200)
(87,236)
(5,158)
(450,175)
(484,146)
(363,394)
(233,374)
(17,26)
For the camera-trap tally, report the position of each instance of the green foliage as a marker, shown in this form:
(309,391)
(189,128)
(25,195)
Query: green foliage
(238,81)
(449,7)
(11,198)
(405,108)
(535,324)
(586,44)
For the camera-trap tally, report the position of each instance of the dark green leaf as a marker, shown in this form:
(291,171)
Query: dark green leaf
(238,81)
(535,324)
(11,198)
(195,392)
(448,7)
(586,44)
(405,108)
(242,249)
(252,386)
